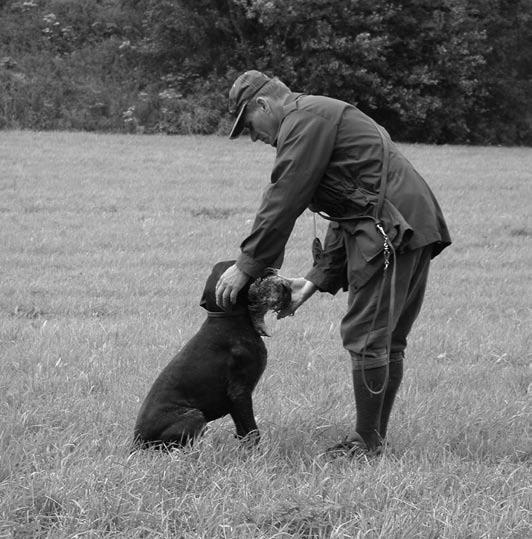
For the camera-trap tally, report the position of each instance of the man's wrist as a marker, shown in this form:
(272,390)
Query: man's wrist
(308,289)
(249,266)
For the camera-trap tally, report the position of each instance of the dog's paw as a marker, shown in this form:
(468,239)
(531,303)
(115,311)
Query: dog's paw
(250,440)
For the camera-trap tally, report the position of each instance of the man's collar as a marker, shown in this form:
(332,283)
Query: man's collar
(289,105)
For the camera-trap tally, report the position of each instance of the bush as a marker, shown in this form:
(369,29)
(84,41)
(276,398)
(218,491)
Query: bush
(65,65)
(443,71)
(414,66)
(421,67)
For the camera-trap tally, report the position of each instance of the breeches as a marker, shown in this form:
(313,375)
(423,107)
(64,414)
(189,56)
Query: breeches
(412,269)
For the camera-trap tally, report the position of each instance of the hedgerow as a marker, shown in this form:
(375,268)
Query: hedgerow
(440,71)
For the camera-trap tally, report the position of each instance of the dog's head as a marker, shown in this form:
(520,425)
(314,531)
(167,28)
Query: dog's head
(208,299)
(270,292)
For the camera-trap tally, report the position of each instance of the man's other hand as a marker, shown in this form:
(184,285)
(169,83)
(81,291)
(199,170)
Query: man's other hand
(301,291)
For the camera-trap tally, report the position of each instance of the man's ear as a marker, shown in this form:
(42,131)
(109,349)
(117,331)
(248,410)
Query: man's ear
(264,104)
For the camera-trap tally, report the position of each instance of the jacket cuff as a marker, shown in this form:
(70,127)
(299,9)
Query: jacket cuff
(322,281)
(249,265)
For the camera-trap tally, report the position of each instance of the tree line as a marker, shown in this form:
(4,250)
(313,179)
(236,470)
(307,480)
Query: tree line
(437,71)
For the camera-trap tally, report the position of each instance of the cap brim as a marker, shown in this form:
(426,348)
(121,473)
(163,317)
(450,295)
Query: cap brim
(238,126)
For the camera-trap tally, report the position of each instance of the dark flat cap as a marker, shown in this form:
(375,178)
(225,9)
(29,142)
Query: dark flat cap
(245,87)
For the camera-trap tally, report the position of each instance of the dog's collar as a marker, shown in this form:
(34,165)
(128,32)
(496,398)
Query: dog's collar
(226,314)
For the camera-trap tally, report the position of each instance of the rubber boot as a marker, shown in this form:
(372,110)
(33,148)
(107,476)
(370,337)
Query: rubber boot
(368,406)
(394,381)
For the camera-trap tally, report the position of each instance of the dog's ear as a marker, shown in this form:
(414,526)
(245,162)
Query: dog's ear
(208,298)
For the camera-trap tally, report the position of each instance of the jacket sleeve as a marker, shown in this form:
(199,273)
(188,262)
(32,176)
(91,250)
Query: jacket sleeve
(304,149)
(329,272)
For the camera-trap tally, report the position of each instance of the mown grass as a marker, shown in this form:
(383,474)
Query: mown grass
(106,243)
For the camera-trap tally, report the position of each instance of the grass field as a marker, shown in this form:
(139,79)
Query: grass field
(105,245)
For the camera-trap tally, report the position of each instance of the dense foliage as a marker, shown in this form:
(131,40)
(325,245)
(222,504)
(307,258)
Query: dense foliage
(429,70)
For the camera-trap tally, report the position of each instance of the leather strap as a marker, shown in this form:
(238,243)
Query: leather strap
(384,172)
(391,254)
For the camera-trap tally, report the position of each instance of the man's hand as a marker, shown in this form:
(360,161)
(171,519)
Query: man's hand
(301,291)
(229,285)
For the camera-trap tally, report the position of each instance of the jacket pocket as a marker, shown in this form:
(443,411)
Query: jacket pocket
(370,240)
(366,238)
(364,260)
(396,226)
(365,244)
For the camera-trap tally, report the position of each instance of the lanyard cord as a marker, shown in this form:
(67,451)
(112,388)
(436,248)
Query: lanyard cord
(389,258)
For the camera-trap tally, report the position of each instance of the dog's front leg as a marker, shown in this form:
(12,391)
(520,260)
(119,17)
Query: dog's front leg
(241,411)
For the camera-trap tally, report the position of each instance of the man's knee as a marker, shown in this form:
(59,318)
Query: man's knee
(370,360)
(367,361)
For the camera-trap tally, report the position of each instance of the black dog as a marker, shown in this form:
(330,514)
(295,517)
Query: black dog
(215,373)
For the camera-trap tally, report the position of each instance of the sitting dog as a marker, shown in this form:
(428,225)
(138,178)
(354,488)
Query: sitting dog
(215,373)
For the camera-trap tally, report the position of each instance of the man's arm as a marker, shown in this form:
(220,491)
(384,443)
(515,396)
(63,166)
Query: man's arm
(305,145)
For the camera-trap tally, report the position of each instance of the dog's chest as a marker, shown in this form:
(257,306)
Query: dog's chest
(248,356)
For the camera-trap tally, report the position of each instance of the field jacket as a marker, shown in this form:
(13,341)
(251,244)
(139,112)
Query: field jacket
(329,159)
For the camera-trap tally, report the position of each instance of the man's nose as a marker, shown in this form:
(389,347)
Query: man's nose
(252,134)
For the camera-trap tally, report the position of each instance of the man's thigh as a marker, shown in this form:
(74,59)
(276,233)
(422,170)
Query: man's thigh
(410,280)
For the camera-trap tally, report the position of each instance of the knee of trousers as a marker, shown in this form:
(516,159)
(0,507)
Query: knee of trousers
(361,343)
(359,362)
(372,348)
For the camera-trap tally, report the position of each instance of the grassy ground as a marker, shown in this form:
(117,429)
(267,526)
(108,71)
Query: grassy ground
(105,245)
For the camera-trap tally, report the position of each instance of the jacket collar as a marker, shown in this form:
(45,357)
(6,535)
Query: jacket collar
(290,104)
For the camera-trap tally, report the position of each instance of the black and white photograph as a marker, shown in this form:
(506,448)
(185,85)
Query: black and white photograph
(265,269)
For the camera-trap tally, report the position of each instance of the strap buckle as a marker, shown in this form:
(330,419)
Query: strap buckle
(386,245)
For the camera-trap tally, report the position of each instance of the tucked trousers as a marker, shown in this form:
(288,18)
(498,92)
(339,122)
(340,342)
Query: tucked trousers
(412,269)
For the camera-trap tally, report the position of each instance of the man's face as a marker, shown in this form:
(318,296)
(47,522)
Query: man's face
(261,122)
